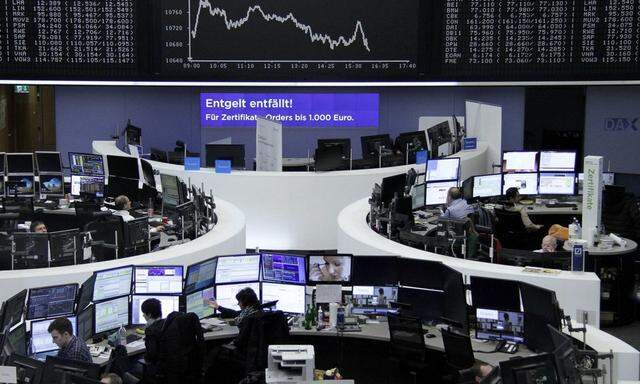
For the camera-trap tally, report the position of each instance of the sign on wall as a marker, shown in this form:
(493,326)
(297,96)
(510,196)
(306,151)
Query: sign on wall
(311,110)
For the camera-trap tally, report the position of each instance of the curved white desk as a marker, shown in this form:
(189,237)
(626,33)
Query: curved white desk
(293,210)
(226,238)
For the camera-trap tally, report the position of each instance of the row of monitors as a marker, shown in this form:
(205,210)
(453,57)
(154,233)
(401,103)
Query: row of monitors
(30,163)
(543,161)
(542,183)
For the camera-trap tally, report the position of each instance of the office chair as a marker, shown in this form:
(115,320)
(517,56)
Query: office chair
(136,237)
(265,328)
(5,252)
(510,229)
(459,355)
(406,344)
(31,250)
(107,237)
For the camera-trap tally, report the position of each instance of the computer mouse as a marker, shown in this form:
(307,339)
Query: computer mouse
(430,335)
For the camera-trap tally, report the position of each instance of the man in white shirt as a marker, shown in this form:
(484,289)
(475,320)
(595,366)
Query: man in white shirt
(123,205)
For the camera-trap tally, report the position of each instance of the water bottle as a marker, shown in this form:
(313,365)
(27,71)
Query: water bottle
(122,335)
(320,317)
(573,230)
(340,321)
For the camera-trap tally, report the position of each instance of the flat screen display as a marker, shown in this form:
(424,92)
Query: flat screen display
(19,186)
(330,268)
(51,185)
(443,169)
(527,183)
(492,324)
(519,162)
(226,294)
(53,301)
(48,162)
(291,298)
(112,283)
(557,161)
(437,192)
(284,268)
(198,302)
(111,314)
(371,300)
(557,183)
(41,338)
(86,164)
(168,304)
(487,185)
(201,275)
(235,269)
(19,163)
(158,279)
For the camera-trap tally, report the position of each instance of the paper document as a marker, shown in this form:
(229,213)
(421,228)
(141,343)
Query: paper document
(328,293)
(213,321)
(8,375)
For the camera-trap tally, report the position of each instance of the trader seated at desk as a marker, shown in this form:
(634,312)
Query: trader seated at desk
(37,226)
(123,206)
(513,204)
(457,207)
(71,347)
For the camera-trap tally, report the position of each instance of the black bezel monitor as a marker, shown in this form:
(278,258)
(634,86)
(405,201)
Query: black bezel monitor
(123,166)
(136,318)
(14,309)
(51,185)
(330,269)
(53,304)
(48,162)
(245,276)
(101,297)
(20,163)
(169,287)
(564,161)
(190,286)
(493,193)
(371,145)
(283,268)
(568,185)
(20,186)
(232,152)
(284,292)
(514,167)
(79,168)
(98,306)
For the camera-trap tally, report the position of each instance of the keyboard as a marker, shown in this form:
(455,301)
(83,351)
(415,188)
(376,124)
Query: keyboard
(561,205)
(131,338)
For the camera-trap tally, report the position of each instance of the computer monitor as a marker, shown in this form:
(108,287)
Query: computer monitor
(329,268)
(490,293)
(63,246)
(418,196)
(51,185)
(437,192)
(133,135)
(440,134)
(237,269)
(198,302)
(87,185)
(541,308)
(86,164)
(14,309)
(27,370)
(409,143)
(85,323)
(57,370)
(330,159)
(41,338)
(159,155)
(161,279)
(443,169)
(283,268)
(537,369)
(111,314)
(375,270)
(171,190)
(167,303)
(373,145)
(427,304)
(112,283)
(19,163)
(19,186)
(392,185)
(557,183)
(17,339)
(232,152)
(373,300)
(492,324)
(521,162)
(527,183)
(226,294)
(147,173)
(48,162)
(54,301)
(123,166)
(343,144)
(290,297)
(200,275)
(136,236)
(552,161)
(487,185)
(86,293)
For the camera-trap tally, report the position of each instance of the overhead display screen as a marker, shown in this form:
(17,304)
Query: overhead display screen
(320,40)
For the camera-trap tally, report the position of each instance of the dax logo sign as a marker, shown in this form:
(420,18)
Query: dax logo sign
(615,124)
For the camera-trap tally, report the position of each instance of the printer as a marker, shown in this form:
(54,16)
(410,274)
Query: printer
(290,364)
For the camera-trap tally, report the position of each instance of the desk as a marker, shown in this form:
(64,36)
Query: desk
(617,250)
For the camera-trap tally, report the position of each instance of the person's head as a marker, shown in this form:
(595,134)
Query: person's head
(332,269)
(505,316)
(61,331)
(38,226)
(549,244)
(453,194)
(123,203)
(380,291)
(110,378)
(512,194)
(151,309)
(247,298)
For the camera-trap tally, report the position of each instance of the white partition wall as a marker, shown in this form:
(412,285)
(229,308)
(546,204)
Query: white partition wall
(227,238)
(484,121)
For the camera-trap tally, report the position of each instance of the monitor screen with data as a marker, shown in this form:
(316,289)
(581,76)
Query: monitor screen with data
(418,193)
(226,294)
(527,183)
(53,301)
(111,314)
(197,302)
(557,161)
(520,162)
(330,268)
(86,164)
(90,185)
(492,324)
(557,183)
(443,169)
(487,185)
(283,268)
(373,300)
(41,338)
(200,275)
(236,269)
(437,192)
(112,283)
(158,279)
(167,303)
(291,298)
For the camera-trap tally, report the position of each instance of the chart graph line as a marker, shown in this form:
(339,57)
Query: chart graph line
(326,39)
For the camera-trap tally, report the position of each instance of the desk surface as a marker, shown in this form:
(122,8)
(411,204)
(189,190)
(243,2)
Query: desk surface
(617,250)
(374,332)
